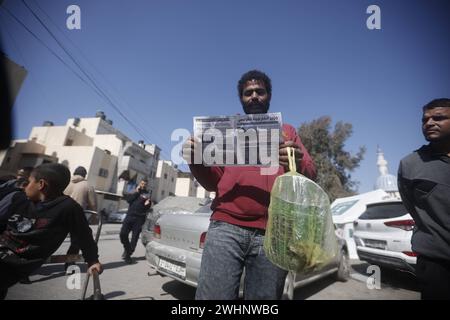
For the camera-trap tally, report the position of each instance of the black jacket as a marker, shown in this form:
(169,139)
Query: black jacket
(38,231)
(424,185)
(137,206)
(12,200)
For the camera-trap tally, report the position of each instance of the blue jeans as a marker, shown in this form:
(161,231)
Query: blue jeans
(228,250)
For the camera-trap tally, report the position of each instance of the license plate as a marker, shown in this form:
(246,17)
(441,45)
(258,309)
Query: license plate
(172,268)
(376,244)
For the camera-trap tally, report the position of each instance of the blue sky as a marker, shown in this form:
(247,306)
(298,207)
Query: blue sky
(165,61)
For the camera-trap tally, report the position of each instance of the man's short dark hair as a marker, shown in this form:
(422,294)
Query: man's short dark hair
(56,175)
(255,75)
(80,171)
(144,179)
(436,103)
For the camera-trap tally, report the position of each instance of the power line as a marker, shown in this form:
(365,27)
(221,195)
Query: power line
(103,94)
(24,61)
(93,66)
(82,70)
(48,48)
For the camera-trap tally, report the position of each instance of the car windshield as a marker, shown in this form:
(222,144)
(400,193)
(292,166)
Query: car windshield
(204,209)
(343,207)
(384,211)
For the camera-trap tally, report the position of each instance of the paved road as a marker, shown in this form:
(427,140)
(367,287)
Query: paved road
(138,282)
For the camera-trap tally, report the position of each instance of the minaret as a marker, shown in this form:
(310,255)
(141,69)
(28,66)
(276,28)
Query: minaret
(382,163)
(385,181)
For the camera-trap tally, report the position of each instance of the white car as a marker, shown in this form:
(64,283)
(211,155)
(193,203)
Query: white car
(346,210)
(383,236)
(176,250)
(169,205)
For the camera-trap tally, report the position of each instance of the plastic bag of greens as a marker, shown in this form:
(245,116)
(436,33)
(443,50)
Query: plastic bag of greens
(300,232)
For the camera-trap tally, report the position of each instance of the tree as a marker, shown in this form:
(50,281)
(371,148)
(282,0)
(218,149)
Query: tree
(333,163)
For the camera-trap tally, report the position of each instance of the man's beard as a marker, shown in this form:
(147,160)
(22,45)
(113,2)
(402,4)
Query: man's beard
(255,108)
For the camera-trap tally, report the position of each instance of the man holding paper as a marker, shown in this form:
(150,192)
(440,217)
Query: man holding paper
(236,233)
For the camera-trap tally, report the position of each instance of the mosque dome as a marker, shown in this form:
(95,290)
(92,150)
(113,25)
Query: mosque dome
(385,181)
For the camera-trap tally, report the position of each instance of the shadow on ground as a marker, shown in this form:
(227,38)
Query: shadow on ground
(121,263)
(53,271)
(179,291)
(395,279)
(304,292)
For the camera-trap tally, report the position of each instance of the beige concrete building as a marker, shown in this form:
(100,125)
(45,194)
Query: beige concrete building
(203,193)
(186,186)
(23,153)
(94,143)
(165,180)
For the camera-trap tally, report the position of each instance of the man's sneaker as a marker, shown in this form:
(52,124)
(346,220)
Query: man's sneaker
(124,254)
(128,260)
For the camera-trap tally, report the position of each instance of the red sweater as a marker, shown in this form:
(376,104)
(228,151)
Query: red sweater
(242,193)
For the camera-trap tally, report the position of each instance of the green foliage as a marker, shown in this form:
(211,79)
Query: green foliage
(333,163)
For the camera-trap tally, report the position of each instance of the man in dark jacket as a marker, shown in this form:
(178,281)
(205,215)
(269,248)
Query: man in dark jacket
(424,185)
(34,234)
(140,204)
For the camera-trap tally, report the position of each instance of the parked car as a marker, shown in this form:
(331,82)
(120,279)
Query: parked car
(346,210)
(177,246)
(117,216)
(383,236)
(169,205)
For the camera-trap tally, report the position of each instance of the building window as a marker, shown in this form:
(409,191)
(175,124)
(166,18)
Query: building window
(165,176)
(172,179)
(103,173)
(69,142)
(163,192)
(8,159)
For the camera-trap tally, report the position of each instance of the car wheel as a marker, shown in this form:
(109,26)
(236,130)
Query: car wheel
(343,272)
